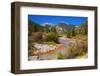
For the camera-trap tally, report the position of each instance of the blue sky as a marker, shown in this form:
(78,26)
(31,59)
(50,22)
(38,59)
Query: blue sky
(41,19)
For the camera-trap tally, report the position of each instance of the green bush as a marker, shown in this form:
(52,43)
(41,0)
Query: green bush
(52,37)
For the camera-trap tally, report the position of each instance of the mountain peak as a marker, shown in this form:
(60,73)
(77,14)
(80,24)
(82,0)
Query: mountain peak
(48,24)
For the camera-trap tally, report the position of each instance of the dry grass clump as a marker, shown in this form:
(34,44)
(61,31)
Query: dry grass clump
(77,48)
